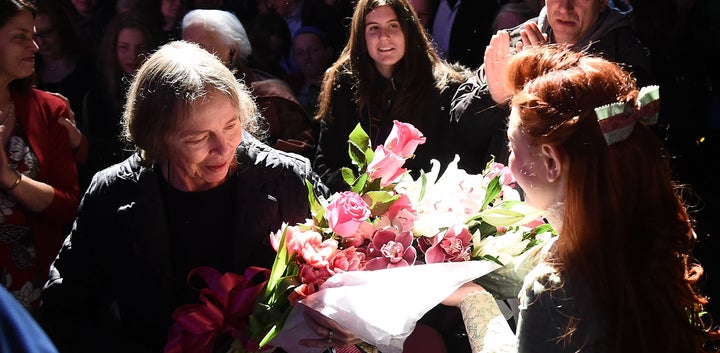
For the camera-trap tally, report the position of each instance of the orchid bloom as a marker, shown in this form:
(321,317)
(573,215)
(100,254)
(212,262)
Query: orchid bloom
(390,249)
(453,245)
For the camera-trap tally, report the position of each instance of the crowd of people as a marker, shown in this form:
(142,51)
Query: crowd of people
(142,139)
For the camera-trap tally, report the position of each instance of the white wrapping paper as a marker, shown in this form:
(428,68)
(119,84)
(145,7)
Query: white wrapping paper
(380,307)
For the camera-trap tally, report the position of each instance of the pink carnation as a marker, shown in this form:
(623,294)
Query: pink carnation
(319,255)
(346,260)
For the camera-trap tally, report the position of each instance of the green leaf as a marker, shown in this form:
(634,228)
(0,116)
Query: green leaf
(359,137)
(348,175)
(484,229)
(529,214)
(380,201)
(492,192)
(493,259)
(358,145)
(500,217)
(360,184)
(544,228)
(279,266)
(316,208)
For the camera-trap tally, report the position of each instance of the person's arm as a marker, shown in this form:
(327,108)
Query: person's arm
(487,328)
(19,333)
(53,193)
(32,194)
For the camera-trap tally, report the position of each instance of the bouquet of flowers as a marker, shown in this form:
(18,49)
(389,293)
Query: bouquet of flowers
(366,242)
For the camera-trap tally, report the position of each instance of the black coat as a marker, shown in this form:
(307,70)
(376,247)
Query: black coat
(110,288)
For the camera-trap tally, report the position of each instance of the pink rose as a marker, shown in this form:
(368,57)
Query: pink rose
(404,139)
(385,165)
(346,213)
(451,246)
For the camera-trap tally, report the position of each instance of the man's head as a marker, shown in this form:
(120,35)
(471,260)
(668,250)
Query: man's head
(572,19)
(219,32)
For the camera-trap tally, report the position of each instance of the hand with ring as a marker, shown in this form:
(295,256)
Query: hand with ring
(330,333)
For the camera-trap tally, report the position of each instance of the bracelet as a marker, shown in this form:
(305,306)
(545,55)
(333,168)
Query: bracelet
(17,181)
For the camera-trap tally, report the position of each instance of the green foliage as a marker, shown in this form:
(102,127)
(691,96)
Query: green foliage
(273,307)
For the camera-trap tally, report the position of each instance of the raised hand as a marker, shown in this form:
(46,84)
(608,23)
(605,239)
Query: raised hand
(531,35)
(497,54)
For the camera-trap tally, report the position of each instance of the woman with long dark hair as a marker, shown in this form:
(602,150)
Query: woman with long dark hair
(387,71)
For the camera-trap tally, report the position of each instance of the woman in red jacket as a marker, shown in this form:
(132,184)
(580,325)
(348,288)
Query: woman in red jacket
(38,179)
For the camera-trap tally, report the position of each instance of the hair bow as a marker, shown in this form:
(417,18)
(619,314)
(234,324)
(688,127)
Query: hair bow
(618,119)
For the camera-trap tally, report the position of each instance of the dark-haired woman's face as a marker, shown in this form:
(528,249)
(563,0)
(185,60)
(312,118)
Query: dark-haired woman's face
(131,49)
(17,48)
(47,37)
(385,39)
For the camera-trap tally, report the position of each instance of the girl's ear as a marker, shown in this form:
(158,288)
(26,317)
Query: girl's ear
(552,157)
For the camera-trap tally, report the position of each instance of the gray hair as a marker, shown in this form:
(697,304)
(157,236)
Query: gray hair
(226,25)
(167,88)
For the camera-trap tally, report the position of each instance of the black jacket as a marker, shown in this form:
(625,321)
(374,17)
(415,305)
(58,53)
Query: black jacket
(110,288)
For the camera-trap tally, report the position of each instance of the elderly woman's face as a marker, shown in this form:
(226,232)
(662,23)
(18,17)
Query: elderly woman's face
(202,150)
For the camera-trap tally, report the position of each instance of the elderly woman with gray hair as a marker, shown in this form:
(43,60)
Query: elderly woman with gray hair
(200,190)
